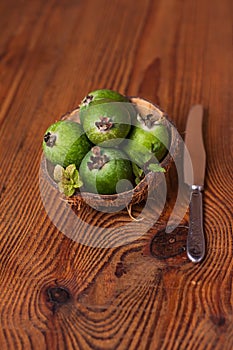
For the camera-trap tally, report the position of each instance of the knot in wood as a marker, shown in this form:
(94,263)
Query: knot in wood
(166,245)
(58,295)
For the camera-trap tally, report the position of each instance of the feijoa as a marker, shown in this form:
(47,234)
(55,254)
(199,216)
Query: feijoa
(65,143)
(102,169)
(107,124)
(149,139)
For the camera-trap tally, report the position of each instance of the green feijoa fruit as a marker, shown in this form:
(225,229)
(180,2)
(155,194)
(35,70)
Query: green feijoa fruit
(104,96)
(107,124)
(147,141)
(65,143)
(103,169)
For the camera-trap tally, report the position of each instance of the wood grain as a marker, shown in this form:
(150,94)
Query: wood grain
(57,293)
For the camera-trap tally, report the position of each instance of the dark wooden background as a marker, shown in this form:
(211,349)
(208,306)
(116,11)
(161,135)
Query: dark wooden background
(54,292)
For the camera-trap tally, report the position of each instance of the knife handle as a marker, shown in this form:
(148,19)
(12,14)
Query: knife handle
(196,239)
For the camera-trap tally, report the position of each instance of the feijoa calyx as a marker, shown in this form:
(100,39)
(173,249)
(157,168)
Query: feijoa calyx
(103,169)
(107,124)
(147,141)
(65,143)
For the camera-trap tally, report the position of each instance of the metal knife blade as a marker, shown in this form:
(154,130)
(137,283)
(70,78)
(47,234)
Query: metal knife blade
(194,143)
(194,177)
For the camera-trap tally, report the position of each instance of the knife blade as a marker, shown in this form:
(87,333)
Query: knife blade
(194,177)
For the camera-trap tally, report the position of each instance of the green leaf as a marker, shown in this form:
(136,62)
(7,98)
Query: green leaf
(156,168)
(138,172)
(68,179)
(68,190)
(76,176)
(155,147)
(78,184)
(58,173)
(70,170)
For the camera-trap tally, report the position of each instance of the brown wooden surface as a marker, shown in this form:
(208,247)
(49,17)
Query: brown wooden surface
(57,293)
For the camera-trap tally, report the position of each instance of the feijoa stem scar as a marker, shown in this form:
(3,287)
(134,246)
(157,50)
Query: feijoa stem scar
(97,160)
(148,120)
(87,100)
(50,139)
(104,124)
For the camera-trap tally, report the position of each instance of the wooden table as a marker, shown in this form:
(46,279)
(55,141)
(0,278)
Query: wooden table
(57,293)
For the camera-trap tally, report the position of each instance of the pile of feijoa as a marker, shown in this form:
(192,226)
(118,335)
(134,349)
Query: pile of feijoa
(113,144)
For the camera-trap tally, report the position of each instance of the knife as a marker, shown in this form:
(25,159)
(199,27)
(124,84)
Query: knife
(195,179)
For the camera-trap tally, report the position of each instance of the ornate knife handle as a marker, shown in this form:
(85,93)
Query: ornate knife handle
(196,239)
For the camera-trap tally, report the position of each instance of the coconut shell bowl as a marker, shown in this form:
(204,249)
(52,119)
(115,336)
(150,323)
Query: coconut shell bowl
(136,194)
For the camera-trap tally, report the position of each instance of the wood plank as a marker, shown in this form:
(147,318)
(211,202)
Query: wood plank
(57,293)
